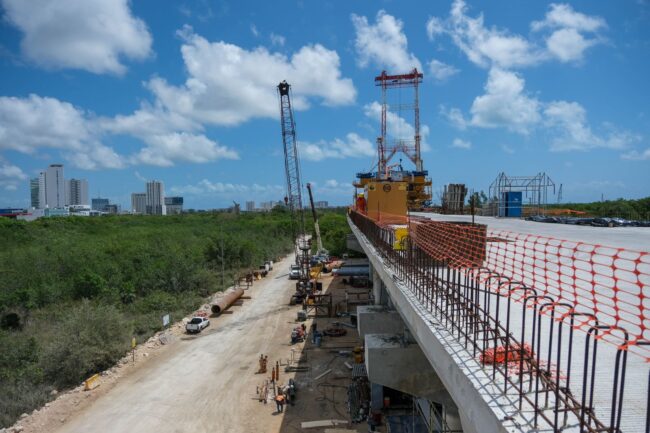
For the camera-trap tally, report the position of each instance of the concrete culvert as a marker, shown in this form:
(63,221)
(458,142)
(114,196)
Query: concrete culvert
(226,301)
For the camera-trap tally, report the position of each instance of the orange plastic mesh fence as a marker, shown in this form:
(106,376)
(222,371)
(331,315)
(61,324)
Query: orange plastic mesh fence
(613,284)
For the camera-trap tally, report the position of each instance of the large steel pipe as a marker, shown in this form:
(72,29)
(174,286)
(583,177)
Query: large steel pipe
(226,301)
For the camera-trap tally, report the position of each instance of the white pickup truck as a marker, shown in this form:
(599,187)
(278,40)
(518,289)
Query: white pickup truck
(197,324)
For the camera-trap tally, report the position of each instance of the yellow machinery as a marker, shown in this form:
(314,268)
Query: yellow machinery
(386,200)
(418,186)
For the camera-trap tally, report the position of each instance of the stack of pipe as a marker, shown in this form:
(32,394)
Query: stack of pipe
(226,301)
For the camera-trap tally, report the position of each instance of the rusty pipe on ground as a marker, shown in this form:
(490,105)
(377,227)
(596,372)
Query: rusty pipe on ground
(226,301)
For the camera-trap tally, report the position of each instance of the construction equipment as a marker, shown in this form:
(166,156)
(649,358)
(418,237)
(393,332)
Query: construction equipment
(319,242)
(293,198)
(405,141)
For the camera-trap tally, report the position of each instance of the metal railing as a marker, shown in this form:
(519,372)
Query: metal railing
(475,304)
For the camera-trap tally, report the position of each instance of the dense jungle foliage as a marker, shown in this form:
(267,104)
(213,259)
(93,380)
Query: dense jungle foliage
(74,291)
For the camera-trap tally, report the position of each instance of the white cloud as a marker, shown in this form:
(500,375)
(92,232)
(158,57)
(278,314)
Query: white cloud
(435,27)
(277,40)
(353,146)
(484,46)
(635,155)
(207,187)
(79,34)
(441,71)
(490,46)
(461,144)
(27,124)
(569,122)
(332,188)
(10,175)
(568,45)
(505,104)
(384,44)
(254,30)
(164,150)
(563,15)
(228,85)
(455,117)
(566,41)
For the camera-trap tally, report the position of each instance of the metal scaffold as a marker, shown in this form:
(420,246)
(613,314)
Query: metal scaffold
(534,190)
(410,147)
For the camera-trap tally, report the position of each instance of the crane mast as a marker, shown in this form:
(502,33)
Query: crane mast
(293,199)
(319,242)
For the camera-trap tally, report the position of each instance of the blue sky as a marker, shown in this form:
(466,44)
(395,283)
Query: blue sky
(184,92)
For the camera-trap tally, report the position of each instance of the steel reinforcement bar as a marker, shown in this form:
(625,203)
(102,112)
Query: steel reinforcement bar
(476,305)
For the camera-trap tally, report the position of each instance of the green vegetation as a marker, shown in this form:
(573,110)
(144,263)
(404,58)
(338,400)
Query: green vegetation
(630,209)
(74,291)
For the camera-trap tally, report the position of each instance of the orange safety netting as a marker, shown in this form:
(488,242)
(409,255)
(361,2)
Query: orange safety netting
(612,284)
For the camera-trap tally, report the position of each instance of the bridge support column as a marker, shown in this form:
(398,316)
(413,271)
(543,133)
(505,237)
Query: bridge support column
(405,368)
(378,319)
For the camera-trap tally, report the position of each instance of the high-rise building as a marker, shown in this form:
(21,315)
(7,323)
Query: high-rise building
(42,200)
(155,198)
(76,191)
(35,191)
(323,204)
(139,203)
(100,204)
(54,186)
(174,205)
(250,206)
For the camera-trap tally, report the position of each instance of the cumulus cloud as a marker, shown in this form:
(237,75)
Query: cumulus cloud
(10,175)
(383,44)
(332,188)
(505,104)
(27,124)
(353,146)
(567,35)
(635,155)
(484,46)
(569,121)
(567,41)
(228,85)
(164,150)
(461,144)
(441,71)
(79,34)
(207,187)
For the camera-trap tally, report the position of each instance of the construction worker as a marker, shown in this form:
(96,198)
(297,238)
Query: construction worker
(279,402)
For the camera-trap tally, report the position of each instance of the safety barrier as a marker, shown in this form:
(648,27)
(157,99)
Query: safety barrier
(531,352)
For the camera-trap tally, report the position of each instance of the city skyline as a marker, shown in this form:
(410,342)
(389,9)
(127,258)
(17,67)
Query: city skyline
(189,95)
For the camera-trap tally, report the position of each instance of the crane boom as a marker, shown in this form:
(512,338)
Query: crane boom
(319,242)
(293,199)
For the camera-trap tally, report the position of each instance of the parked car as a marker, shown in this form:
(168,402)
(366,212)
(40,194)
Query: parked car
(294,273)
(197,324)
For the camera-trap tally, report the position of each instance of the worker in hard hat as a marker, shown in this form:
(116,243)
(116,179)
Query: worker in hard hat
(279,402)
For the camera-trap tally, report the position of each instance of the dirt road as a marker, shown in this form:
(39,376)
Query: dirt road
(204,383)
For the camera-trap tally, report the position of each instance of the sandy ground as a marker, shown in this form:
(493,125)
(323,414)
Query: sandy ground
(207,383)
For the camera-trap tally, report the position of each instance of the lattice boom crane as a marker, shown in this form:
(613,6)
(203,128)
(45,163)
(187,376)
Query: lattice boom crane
(293,199)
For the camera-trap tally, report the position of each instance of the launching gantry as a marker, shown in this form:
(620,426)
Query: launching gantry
(418,185)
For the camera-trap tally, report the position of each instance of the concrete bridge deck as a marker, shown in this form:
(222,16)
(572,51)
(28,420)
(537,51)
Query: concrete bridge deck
(490,401)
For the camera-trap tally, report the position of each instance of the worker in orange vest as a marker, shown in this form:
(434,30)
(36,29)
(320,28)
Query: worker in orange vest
(279,402)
